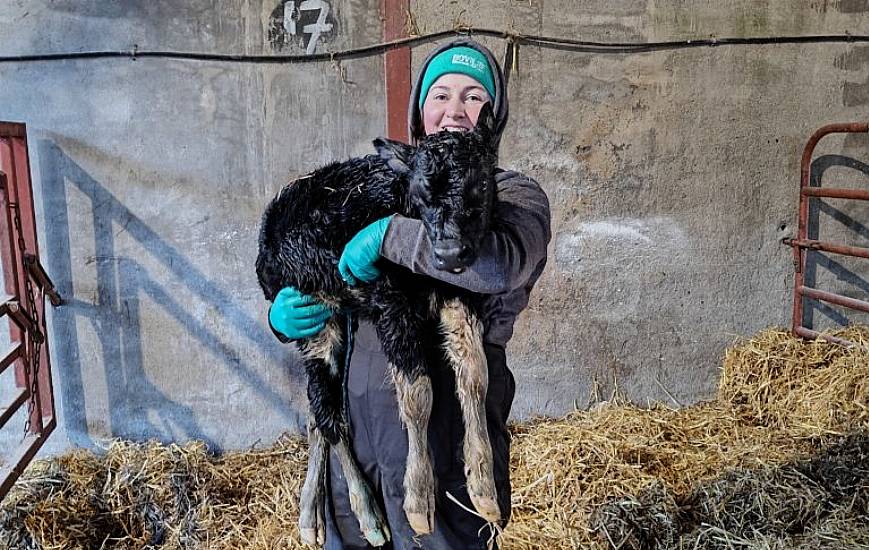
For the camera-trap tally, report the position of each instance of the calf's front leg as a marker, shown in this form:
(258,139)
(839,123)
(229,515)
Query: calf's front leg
(400,332)
(463,342)
(414,405)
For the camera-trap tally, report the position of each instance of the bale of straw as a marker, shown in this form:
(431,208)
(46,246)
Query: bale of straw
(616,475)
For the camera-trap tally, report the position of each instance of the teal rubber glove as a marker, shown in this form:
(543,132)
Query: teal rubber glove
(297,315)
(360,254)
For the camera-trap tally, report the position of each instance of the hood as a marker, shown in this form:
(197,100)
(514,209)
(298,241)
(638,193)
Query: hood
(499,105)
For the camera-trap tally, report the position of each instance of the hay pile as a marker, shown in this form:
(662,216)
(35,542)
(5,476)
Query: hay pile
(821,502)
(150,495)
(779,460)
(624,477)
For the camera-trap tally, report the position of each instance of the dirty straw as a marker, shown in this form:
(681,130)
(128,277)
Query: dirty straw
(779,460)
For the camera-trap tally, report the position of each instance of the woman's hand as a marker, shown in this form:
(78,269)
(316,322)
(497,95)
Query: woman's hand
(362,252)
(297,315)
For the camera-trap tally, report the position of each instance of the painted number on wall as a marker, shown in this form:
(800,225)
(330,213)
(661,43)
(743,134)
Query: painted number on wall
(309,21)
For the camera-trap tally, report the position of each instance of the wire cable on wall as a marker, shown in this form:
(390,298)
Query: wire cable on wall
(512,38)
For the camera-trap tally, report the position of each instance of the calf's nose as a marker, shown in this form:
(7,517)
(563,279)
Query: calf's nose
(452,255)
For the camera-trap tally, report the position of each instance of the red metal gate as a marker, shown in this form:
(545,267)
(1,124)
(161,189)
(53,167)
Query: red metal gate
(802,242)
(22,303)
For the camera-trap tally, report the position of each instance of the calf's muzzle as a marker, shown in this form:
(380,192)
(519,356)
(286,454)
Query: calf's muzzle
(453,255)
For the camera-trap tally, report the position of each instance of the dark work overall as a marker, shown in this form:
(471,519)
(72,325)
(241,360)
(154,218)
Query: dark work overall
(380,443)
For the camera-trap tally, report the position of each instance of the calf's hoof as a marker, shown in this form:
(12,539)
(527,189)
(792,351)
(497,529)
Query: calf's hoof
(313,536)
(376,536)
(421,523)
(312,525)
(371,523)
(419,506)
(487,507)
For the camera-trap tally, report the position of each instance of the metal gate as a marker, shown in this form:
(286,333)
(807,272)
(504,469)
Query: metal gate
(22,304)
(803,243)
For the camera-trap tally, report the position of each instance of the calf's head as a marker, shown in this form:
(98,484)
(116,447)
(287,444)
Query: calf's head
(451,187)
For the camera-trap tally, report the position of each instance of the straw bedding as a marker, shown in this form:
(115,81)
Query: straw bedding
(780,459)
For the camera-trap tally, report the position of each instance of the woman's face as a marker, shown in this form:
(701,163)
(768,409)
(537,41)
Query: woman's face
(453,103)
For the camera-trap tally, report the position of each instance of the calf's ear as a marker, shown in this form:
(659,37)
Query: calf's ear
(395,153)
(486,121)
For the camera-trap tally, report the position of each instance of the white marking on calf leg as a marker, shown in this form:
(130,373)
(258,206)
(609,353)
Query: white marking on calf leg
(463,342)
(323,345)
(362,500)
(312,526)
(414,405)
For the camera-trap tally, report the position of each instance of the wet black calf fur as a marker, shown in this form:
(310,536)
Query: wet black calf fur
(448,183)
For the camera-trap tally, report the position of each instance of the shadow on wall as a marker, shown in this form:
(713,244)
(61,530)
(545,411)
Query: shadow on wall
(137,409)
(816,259)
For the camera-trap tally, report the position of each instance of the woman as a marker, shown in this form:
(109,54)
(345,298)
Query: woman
(454,83)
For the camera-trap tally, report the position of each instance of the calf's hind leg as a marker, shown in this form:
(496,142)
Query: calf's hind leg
(324,367)
(463,342)
(312,526)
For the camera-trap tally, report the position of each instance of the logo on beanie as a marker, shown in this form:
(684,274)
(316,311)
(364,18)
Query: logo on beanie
(468,61)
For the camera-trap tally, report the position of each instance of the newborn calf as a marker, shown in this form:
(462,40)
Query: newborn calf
(447,181)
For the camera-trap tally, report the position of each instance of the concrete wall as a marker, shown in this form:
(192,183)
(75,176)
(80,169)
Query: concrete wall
(672,177)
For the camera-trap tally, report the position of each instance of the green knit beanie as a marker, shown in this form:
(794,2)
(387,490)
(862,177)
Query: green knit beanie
(460,59)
